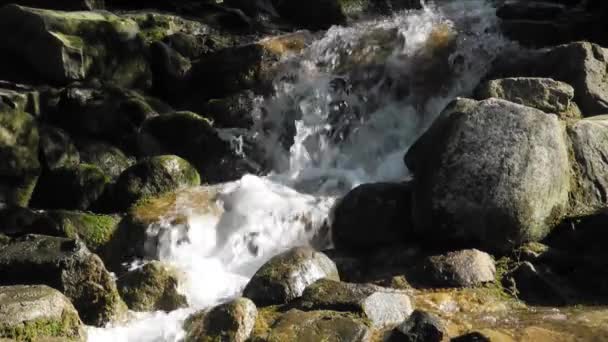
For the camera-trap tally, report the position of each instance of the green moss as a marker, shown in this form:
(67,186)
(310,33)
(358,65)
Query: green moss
(68,328)
(95,230)
(267,316)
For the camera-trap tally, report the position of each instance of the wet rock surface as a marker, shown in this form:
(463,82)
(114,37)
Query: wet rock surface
(232,321)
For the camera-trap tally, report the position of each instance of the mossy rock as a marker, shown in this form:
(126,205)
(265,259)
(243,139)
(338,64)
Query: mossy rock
(57,149)
(152,287)
(75,188)
(38,313)
(77,45)
(152,177)
(110,159)
(67,266)
(232,321)
(20,167)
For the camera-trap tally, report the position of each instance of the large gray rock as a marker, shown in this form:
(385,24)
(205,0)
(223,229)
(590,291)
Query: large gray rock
(38,313)
(233,321)
(19,140)
(372,215)
(545,94)
(381,306)
(330,326)
(286,276)
(71,46)
(463,268)
(66,265)
(590,144)
(492,173)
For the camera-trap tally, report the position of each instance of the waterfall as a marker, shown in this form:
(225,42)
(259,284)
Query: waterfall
(344,112)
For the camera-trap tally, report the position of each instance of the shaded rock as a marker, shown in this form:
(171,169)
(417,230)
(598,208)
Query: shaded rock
(193,138)
(314,15)
(296,325)
(110,113)
(68,266)
(57,149)
(110,159)
(381,208)
(76,188)
(286,276)
(491,173)
(463,268)
(23,98)
(153,176)
(421,326)
(589,141)
(66,5)
(170,70)
(77,45)
(232,321)
(150,288)
(193,46)
(381,306)
(232,111)
(545,94)
(38,313)
(536,285)
(19,139)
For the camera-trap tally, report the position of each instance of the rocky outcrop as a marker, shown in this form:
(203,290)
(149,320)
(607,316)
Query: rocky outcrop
(38,313)
(545,94)
(19,140)
(76,45)
(152,287)
(492,173)
(589,141)
(383,307)
(381,208)
(232,321)
(153,176)
(463,268)
(285,277)
(66,265)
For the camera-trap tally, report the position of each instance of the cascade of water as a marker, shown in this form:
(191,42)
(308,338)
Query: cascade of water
(344,112)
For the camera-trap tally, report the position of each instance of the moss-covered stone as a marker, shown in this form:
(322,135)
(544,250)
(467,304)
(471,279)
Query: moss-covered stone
(94,230)
(57,149)
(232,321)
(110,159)
(68,266)
(284,277)
(76,45)
(70,188)
(38,313)
(153,176)
(152,287)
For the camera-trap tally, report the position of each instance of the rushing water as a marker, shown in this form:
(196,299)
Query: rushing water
(344,112)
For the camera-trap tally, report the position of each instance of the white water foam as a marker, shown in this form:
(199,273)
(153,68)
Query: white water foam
(345,111)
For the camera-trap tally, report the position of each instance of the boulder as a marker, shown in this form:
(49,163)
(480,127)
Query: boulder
(381,306)
(545,94)
(492,173)
(110,159)
(170,70)
(110,113)
(193,138)
(152,287)
(381,208)
(330,326)
(69,267)
(285,276)
(38,313)
(421,326)
(589,141)
(19,138)
(77,188)
(72,46)
(151,177)
(57,149)
(465,268)
(232,321)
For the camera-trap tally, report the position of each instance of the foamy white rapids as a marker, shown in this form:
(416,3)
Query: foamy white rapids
(344,112)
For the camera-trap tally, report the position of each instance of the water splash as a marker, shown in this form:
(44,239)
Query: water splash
(344,112)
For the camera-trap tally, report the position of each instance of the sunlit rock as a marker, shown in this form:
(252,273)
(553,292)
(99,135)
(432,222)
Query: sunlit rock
(461,269)
(232,321)
(38,313)
(285,277)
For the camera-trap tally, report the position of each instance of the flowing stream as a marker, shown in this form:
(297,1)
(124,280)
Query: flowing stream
(344,112)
